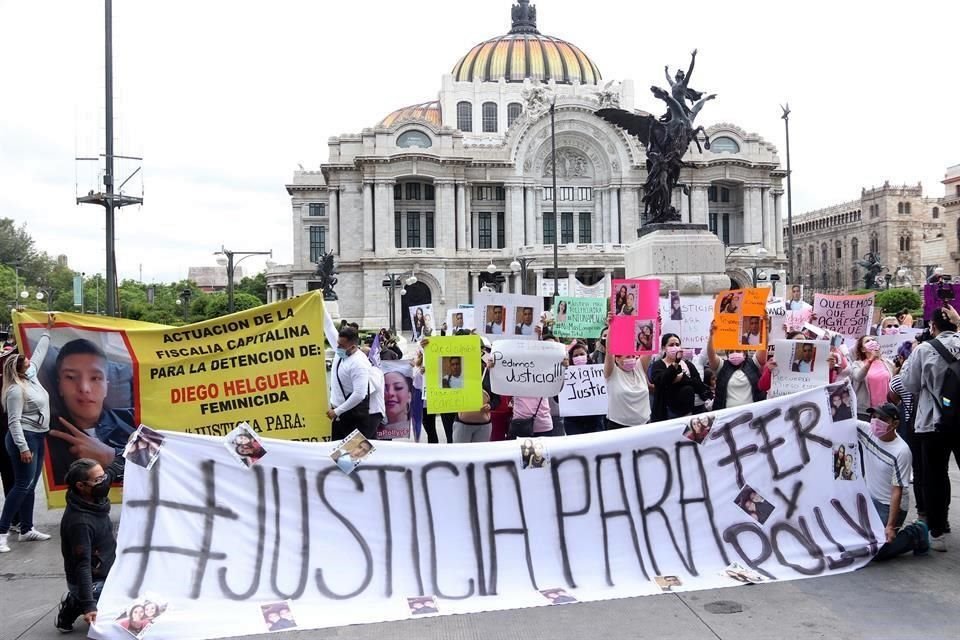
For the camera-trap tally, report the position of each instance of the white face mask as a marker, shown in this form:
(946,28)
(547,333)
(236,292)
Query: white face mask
(31,372)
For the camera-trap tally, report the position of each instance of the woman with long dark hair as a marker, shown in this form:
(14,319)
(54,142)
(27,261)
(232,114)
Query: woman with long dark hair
(676,382)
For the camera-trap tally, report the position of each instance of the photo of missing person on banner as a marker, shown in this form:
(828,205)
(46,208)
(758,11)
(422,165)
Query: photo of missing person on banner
(277,616)
(754,504)
(557,596)
(89,377)
(625,302)
(667,583)
(525,322)
(741,574)
(644,330)
(533,454)
(351,451)
(496,320)
(422,605)
(751,330)
(676,307)
(143,448)
(845,461)
(698,428)
(731,302)
(803,358)
(451,372)
(839,397)
(138,617)
(245,445)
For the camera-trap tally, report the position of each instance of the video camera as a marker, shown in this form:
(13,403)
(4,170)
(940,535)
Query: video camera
(945,289)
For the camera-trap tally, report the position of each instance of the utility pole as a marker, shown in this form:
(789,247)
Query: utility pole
(107,199)
(556,221)
(790,256)
(231,265)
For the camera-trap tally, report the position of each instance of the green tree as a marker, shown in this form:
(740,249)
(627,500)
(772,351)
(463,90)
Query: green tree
(893,301)
(255,286)
(217,303)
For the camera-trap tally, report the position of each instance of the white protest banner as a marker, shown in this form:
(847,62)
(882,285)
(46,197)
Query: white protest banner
(697,314)
(507,315)
(476,531)
(847,315)
(776,312)
(889,344)
(801,365)
(459,319)
(584,391)
(526,368)
(545,286)
(581,290)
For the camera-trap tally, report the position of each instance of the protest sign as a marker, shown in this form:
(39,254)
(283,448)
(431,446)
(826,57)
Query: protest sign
(891,344)
(421,319)
(776,312)
(507,315)
(579,317)
(584,391)
(694,328)
(795,301)
(459,319)
(527,368)
(476,531)
(635,329)
(545,286)
(452,374)
(739,314)
(397,400)
(935,295)
(847,315)
(264,366)
(581,290)
(801,365)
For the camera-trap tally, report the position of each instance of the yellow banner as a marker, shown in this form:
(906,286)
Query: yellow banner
(453,374)
(264,366)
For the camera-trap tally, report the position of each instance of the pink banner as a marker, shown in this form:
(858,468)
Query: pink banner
(635,306)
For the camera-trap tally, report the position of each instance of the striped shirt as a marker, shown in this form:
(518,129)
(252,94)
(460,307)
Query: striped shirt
(886,465)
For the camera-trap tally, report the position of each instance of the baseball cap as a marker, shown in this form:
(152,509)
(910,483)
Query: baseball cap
(886,410)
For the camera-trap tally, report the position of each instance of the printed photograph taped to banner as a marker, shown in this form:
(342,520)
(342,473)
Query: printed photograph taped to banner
(558,596)
(676,305)
(91,376)
(533,454)
(143,448)
(495,319)
(699,428)
(422,605)
(754,504)
(525,322)
(743,575)
(841,400)
(277,616)
(397,399)
(352,451)
(647,338)
(624,301)
(667,583)
(845,461)
(139,615)
(245,445)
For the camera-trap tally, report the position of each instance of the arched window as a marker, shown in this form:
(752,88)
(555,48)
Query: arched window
(514,109)
(414,138)
(958,228)
(465,116)
(489,117)
(813,256)
(936,212)
(724,144)
(874,244)
(839,251)
(899,207)
(824,258)
(855,248)
(800,258)
(906,207)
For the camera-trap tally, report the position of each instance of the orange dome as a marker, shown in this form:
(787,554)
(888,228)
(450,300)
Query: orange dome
(425,112)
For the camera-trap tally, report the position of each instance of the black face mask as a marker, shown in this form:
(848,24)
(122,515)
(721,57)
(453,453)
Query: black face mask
(100,491)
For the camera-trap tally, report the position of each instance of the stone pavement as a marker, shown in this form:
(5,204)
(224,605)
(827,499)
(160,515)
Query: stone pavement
(910,597)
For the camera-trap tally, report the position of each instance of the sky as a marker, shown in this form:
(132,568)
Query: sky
(224,100)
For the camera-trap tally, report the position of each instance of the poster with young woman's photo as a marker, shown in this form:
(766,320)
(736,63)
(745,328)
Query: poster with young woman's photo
(624,297)
(397,399)
(244,445)
(421,319)
(638,331)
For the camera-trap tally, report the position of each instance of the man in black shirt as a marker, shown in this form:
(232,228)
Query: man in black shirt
(86,539)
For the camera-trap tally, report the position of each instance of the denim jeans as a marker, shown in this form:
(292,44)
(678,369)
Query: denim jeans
(20,499)
(912,537)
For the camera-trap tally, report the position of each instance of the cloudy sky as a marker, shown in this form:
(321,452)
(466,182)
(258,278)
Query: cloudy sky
(224,99)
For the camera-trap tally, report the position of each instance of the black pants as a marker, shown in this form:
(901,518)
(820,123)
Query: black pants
(346,424)
(71,609)
(919,484)
(6,465)
(575,425)
(936,448)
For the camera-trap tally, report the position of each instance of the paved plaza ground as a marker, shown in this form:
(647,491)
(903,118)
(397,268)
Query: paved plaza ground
(911,597)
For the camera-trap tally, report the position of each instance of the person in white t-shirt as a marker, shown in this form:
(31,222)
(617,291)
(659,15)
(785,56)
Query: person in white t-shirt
(738,375)
(887,465)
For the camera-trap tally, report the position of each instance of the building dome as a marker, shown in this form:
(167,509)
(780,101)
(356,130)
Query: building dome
(425,112)
(525,53)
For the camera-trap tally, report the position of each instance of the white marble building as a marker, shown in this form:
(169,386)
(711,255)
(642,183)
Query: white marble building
(445,188)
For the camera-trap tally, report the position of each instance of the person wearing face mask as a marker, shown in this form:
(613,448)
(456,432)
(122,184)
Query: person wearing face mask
(600,348)
(86,539)
(28,417)
(350,389)
(889,326)
(887,464)
(628,392)
(676,381)
(738,375)
(871,374)
(574,425)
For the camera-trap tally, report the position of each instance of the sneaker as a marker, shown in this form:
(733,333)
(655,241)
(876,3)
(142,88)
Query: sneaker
(62,624)
(939,543)
(33,536)
(4,547)
(923,545)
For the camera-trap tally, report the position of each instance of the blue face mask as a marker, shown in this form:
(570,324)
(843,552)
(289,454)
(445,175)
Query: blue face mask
(341,353)
(31,372)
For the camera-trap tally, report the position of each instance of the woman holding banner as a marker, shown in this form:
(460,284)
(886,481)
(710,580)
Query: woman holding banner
(628,392)
(676,382)
(871,374)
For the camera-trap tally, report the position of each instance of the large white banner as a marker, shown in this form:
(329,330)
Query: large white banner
(526,368)
(584,391)
(747,495)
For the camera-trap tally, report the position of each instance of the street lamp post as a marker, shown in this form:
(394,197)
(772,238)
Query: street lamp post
(520,264)
(184,300)
(786,125)
(556,221)
(45,292)
(231,265)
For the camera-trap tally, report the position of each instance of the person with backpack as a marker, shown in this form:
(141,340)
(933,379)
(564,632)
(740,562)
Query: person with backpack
(932,374)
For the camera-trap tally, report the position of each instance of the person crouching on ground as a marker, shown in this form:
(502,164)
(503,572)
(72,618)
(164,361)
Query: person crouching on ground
(86,539)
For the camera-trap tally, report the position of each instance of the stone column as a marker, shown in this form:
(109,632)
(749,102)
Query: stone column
(538,218)
(368,216)
(334,219)
(605,215)
(443,219)
(461,222)
(608,282)
(699,205)
(514,215)
(778,221)
(752,216)
(467,217)
(596,224)
(385,222)
(571,280)
(530,216)
(616,223)
(769,224)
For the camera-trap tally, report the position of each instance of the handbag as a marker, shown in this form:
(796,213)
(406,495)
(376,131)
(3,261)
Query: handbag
(523,427)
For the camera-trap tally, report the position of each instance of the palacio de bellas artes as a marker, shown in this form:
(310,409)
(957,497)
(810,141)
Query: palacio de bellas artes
(443,188)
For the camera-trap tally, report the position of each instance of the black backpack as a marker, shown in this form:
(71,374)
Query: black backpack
(949,398)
